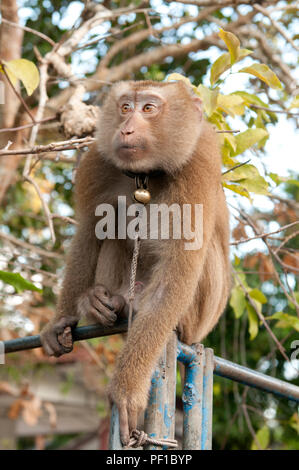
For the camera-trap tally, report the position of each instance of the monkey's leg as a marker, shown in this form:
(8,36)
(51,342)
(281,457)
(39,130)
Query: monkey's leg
(165,299)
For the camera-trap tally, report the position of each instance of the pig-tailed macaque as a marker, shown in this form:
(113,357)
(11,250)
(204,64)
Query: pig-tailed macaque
(153,129)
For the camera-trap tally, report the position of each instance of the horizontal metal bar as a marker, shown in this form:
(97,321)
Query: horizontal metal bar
(244,375)
(222,367)
(80,333)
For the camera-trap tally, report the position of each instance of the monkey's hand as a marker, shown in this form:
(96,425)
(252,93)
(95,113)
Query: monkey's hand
(99,305)
(56,336)
(131,398)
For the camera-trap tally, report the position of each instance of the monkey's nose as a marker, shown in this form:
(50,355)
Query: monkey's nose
(127,132)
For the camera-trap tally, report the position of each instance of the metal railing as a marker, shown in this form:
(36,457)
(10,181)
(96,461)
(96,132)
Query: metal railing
(200,365)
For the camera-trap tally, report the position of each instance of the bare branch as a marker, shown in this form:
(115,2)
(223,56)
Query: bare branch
(29,30)
(28,246)
(276,25)
(71,144)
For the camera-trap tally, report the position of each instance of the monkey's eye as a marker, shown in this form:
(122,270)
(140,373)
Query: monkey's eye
(125,108)
(148,108)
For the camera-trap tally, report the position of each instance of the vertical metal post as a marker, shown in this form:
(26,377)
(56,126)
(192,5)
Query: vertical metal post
(170,399)
(153,417)
(192,399)
(160,413)
(207,400)
(114,436)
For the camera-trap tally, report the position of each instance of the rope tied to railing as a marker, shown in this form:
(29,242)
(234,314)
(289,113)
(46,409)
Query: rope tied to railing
(140,439)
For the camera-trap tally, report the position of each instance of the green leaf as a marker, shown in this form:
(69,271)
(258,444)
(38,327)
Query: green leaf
(232,43)
(24,70)
(209,98)
(247,139)
(17,281)
(263,438)
(257,185)
(248,177)
(238,301)
(248,98)
(253,321)
(285,320)
(243,172)
(256,294)
(264,73)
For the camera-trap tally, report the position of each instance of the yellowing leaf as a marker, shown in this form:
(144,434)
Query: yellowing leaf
(24,70)
(237,189)
(249,178)
(232,43)
(264,73)
(209,98)
(231,141)
(220,65)
(231,104)
(248,98)
(295,102)
(223,63)
(256,185)
(247,139)
(227,161)
(253,322)
(243,172)
(256,294)
(179,77)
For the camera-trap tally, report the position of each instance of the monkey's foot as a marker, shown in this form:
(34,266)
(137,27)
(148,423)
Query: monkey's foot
(56,337)
(100,306)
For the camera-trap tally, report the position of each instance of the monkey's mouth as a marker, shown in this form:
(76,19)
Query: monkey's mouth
(128,147)
(126,151)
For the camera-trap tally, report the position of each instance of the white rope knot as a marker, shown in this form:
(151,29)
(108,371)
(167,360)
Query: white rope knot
(140,438)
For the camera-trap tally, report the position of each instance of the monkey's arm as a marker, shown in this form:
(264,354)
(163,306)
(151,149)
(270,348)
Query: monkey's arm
(79,276)
(169,293)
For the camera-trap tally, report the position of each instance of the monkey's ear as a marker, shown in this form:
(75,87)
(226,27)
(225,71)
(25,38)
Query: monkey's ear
(199,106)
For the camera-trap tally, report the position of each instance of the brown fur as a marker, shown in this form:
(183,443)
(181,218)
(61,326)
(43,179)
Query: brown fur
(183,290)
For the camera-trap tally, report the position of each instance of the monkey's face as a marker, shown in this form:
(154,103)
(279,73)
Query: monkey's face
(149,125)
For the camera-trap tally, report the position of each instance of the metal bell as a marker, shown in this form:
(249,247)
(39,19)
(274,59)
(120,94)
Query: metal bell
(142,195)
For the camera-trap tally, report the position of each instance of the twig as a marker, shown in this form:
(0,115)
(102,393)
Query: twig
(29,247)
(261,316)
(64,218)
(13,129)
(265,235)
(282,111)
(290,296)
(251,430)
(276,25)
(236,166)
(53,147)
(29,30)
(45,206)
(286,240)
